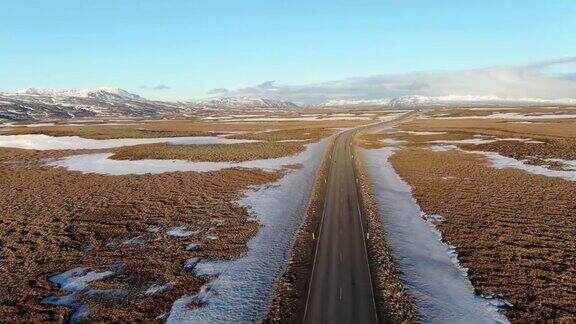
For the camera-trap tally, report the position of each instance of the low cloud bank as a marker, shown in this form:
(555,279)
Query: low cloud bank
(524,81)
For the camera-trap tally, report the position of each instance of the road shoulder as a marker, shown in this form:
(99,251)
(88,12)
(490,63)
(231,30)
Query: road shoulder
(392,301)
(292,289)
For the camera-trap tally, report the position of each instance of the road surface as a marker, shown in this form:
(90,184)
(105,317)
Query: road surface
(340,289)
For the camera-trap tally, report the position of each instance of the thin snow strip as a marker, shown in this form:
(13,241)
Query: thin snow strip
(243,289)
(439,289)
(422,133)
(501,162)
(102,164)
(478,141)
(45,142)
(514,115)
(393,141)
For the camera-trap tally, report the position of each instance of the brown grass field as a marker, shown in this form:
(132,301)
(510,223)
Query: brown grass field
(49,216)
(209,152)
(176,128)
(512,229)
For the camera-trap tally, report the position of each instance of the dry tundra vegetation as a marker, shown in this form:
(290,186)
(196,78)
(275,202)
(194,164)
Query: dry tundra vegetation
(514,230)
(54,220)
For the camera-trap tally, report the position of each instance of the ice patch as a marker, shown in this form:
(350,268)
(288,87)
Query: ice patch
(439,289)
(191,247)
(78,278)
(393,141)
(153,229)
(45,142)
(191,263)
(242,289)
(217,222)
(76,282)
(102,164)
(158,287)
(211,238)
(87,248)
(180,231)
(434,218)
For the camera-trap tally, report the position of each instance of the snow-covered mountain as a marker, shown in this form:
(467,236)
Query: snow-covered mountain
(243,102)
(407,102)
(38,104)
(102,92)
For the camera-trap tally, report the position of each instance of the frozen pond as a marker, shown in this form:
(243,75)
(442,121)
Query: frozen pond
(45,142)
(102,164)
(432,276)
(243,289)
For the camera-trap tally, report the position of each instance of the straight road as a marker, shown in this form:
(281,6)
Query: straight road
(340,289)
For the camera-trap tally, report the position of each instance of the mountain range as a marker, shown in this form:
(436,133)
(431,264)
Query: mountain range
(37,104)
(451,101)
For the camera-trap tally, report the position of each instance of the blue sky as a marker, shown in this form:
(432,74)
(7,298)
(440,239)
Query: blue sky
(191,47)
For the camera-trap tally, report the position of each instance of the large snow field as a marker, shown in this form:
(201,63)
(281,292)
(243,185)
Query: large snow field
(102,164)
(46,142)
(242,290)
(437,284)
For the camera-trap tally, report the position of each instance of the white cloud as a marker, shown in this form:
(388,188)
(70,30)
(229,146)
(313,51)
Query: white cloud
(155,87)
(523,81)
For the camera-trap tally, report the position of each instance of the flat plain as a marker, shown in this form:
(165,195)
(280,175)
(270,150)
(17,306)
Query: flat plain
(184,217)
(83,245)
(503,184)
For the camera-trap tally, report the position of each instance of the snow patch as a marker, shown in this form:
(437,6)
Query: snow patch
(514,115)
(393,141)
(439,288)
(158,287)
(180,231)
(499,161)
(422,133)
(242,289)
(102,164)
(75,281)
(46,142)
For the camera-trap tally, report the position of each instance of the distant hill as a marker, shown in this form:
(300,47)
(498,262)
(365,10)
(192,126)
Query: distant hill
(37,104)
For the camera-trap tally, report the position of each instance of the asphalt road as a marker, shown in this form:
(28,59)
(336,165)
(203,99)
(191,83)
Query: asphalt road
(340,289)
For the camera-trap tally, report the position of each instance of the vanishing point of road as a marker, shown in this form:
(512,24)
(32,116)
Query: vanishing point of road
(340,289)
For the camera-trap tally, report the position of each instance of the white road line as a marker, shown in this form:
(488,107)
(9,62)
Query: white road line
(340,293)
